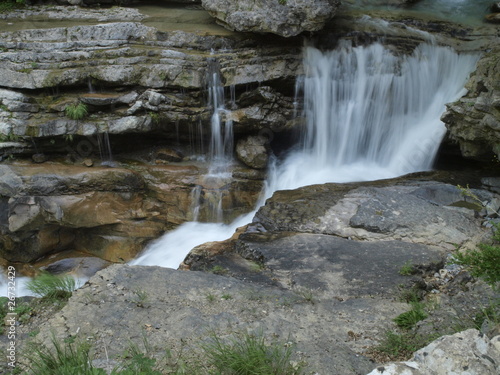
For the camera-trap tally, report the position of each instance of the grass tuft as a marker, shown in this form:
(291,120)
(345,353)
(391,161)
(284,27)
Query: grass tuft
(247,354)
(52,287)
(76,111)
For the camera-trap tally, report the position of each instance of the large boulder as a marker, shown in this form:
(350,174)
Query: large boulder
(282,17)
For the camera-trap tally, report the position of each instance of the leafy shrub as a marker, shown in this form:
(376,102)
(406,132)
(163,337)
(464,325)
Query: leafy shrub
(52,287)
(76,111)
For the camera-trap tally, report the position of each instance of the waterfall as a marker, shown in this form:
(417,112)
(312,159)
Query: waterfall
(369,115)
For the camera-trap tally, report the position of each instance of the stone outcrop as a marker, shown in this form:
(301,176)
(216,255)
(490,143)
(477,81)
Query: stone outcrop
(282,17)
(473,121)
(467,352)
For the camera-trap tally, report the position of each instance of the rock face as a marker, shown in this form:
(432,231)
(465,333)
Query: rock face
(467,352)
(108,212)
(474,120)
(282,17)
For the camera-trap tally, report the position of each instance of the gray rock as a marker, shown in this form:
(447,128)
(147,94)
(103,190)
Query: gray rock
(286,18)
(253,151)
(428,213)
(466,353)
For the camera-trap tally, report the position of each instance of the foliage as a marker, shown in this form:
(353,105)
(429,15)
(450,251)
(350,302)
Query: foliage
(8,5)
(408,319)
(52,287)
(407,269)
(490,313)
(483,262)
(76,111)
(247,354)
(11,137)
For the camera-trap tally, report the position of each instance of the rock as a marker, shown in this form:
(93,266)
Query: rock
(39,158)
(493,18)
(495,7)
(473,121)
(286,18)
(168,155)
(81,266)
(88,162)
(467,352)
(426,213)
(253,151)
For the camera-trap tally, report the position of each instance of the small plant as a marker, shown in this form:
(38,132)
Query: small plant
(52,287)
(407,269)
(210,297)
(227,296)
(76,111)
(306,294)
(155,117)
(400,346)
(483,262)
(218,270)
(140,298)
(137,362)
(408,319)
(248,354)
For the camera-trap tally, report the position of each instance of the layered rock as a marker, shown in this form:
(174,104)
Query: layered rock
(474,120)
(282,17)
(108,212)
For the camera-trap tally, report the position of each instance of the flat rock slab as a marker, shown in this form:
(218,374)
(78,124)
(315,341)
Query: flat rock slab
(425,212)
(337,267)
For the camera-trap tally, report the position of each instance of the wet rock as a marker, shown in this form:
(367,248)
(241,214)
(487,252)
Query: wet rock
(285,18)
(467,352)
(474,120)
(253,151)
(168,155)
(82,266)
(39,158)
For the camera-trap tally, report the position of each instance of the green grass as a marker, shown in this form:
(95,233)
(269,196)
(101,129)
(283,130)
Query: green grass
(76,111)
(407,269)
(52,287)
(401,346)
(70,359)
(407,320)
(248,354)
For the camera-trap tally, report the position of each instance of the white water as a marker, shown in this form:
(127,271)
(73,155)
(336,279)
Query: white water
(370,115)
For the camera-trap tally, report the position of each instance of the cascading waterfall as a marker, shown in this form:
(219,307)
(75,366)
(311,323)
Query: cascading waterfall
(372,115)
(369,114)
